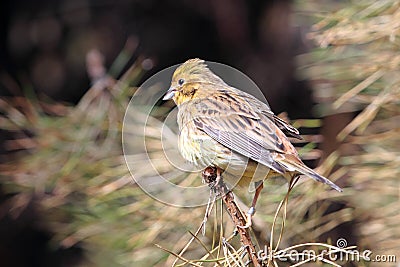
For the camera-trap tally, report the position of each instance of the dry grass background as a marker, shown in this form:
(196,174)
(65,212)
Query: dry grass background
(73,170)
(356,69)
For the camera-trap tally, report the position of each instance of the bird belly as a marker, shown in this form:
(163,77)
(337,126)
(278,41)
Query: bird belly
(197,147)
(242,171)
(203,151)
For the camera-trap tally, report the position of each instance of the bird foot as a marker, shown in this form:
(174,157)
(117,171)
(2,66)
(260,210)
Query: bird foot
(250,214)
(210,176)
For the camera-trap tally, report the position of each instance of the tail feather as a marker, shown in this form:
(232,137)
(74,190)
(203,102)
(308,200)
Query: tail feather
(303,169)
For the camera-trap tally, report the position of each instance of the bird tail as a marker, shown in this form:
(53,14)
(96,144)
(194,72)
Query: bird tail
(297,165)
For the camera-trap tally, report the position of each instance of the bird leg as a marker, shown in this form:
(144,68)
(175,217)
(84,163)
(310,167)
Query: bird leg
(252,210)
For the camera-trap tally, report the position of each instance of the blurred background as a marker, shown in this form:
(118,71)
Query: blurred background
(45,43)
(66,196)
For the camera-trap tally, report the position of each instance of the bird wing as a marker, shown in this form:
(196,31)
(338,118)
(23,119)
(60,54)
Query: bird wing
(247,126)
(235,124)
(286,128)
(263,108)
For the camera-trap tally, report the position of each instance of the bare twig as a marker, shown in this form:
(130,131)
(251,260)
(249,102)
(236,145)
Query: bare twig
(211,176)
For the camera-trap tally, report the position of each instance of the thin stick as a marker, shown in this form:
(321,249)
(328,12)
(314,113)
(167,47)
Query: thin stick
(203,225)
(212,176)
(178,256)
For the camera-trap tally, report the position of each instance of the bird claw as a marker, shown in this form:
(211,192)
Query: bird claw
(210,176)
(250,214)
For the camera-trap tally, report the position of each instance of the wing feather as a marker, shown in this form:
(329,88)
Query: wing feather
(263,108)
(240,127)
(247,126)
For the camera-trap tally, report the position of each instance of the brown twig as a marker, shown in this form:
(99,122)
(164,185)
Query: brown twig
(211,175)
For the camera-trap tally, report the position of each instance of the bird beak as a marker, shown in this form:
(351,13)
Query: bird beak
(170,93)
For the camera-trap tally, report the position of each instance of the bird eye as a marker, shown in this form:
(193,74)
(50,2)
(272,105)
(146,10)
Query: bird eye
(181,81)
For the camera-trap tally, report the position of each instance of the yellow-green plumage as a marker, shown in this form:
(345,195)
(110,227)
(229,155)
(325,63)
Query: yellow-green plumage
(225,127)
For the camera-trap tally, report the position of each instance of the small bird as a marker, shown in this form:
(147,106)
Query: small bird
(227,128)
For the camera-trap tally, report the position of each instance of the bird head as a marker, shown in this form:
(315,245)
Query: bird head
(187,80)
